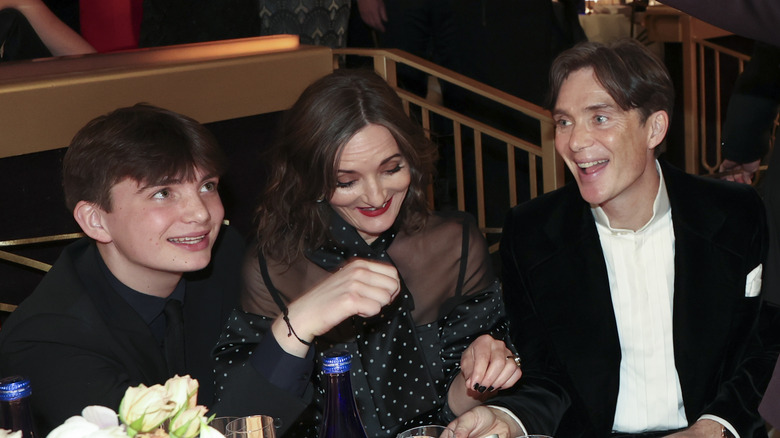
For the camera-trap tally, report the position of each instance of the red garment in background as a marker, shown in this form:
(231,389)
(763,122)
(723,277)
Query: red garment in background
(111,24)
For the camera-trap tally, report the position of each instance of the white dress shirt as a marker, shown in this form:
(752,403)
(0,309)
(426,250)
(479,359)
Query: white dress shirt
(640,266)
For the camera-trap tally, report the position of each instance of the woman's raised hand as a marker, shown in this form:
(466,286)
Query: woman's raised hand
(361,287)
(486,366)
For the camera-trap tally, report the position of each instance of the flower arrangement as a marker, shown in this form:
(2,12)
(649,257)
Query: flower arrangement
(158,411)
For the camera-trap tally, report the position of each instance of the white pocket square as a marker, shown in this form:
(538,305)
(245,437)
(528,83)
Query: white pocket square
(753,282)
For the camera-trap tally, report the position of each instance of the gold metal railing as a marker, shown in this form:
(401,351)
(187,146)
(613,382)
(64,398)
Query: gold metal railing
(715,61)
(106,82)
(711,104)
(543,164)
(704,64)
(52,85)
(26,261)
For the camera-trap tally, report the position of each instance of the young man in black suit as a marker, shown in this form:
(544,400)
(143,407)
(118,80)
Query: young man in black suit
(142,184)
(634,293)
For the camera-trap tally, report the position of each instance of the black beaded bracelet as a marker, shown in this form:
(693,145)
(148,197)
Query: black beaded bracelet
(291,332)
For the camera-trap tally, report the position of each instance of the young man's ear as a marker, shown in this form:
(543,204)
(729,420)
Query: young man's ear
(658,124)
(90,218)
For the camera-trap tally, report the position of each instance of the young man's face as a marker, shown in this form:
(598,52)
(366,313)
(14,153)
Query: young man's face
(609,150)
(158,232)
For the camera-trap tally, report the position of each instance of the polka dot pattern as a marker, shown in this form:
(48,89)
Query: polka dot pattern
(401,371)
(441,344)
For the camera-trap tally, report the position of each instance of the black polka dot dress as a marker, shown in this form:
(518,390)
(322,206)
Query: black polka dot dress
(403,358)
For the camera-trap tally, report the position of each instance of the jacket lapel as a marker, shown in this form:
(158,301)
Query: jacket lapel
(572,280)
(699,289)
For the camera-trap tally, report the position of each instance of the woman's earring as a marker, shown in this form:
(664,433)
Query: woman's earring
(321,199)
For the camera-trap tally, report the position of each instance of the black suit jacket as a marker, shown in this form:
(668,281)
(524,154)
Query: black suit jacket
(558,298)
(81,344)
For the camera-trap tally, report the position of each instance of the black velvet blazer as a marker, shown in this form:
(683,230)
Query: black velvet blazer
(558,299)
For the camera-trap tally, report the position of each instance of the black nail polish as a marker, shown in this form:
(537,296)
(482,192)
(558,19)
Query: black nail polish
(491,389)
(476,386)
(482,389)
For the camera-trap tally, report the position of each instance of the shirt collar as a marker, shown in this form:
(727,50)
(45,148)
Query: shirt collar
(661,207)
(149,307)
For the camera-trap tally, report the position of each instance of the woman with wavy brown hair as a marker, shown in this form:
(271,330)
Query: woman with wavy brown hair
(349,256)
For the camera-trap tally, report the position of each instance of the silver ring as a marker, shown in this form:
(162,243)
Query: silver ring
(516,358)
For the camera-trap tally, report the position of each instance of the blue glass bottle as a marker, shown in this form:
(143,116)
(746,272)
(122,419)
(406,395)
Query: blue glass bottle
(341,419)
(15,411)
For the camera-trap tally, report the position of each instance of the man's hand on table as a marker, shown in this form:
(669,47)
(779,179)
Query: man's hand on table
(701,429)
(482,421)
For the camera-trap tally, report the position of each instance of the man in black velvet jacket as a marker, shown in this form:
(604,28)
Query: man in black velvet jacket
(634,294)
(142,184)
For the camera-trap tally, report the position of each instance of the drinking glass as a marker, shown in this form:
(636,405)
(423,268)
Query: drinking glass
(427,432)
(254,426)
(220,424)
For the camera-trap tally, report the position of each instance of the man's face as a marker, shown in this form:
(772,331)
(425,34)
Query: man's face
(157,232)
(609,150)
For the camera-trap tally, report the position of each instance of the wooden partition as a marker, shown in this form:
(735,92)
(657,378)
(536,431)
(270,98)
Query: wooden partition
(44,102)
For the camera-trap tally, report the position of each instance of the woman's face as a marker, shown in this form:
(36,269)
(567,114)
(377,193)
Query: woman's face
(372,178)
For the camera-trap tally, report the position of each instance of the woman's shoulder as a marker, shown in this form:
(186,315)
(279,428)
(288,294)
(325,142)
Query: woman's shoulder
(450,222)
(444,231)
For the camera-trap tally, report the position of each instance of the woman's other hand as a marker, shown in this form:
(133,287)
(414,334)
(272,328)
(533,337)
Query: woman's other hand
(361,287)
(486,366)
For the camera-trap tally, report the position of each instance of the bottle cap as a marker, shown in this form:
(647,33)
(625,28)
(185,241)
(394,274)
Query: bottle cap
(14,388)
(336,362)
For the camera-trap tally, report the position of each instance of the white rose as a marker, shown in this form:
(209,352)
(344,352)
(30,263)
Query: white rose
(74,427)
(102,416)
(144,409)
(94,422)
(183,391)
(8,434)
(187,423)
(207,431)
(110,432)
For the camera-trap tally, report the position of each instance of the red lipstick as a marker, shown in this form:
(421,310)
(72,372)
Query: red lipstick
(378,212)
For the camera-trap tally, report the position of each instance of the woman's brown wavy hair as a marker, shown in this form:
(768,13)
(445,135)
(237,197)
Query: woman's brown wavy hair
(293,213)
